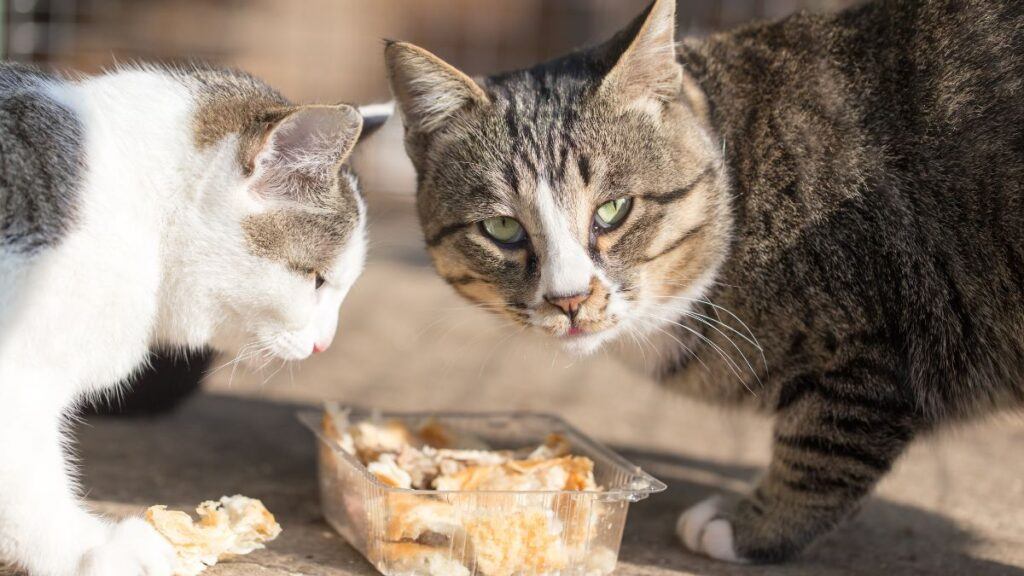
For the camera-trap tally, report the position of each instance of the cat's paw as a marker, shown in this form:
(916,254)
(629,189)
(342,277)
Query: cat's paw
(133,548)
(704,529)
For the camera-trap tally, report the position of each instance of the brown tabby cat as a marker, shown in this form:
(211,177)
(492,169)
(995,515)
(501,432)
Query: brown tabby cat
(850,186)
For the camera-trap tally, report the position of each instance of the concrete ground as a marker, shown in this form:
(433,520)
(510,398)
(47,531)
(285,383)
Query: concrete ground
(953,505)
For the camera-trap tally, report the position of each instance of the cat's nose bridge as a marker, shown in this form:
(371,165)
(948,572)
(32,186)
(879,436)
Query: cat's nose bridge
(566,268)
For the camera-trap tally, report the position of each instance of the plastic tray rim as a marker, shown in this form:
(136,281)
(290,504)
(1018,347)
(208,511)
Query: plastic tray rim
(640,486)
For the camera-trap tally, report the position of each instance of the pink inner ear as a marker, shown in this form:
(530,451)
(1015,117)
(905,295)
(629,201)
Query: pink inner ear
(311,139)
(309,127)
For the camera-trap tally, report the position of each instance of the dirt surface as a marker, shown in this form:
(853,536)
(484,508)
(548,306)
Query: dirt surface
(953,505)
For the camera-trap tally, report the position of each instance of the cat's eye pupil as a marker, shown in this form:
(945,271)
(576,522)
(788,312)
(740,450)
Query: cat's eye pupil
(319,281)
(612,213)
(504,230)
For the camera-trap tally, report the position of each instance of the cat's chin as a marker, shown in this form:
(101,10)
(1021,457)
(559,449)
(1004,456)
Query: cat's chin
(586,344)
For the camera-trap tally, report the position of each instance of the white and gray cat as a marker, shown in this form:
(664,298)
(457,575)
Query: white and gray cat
(144,207)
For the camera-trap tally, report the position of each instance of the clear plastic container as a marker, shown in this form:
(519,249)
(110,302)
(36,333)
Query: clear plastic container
(434,533)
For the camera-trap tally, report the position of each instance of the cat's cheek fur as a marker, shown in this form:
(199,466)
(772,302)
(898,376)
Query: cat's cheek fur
(318,324)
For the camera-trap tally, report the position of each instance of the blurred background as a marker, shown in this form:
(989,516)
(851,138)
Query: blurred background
(406,341)
(330,50)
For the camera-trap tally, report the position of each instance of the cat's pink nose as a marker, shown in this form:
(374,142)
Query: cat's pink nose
(318,348)
(569,304)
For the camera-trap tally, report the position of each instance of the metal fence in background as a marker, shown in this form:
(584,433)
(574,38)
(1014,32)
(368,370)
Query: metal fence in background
(332,50)
(317,49)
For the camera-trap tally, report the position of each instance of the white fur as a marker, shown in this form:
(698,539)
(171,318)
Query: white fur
(566,267)
(386,109)
(157,256)
(702,530)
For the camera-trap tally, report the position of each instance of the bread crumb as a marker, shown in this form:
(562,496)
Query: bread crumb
(232,526)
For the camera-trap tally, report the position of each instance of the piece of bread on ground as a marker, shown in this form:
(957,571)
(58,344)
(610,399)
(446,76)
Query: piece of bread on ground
(232,526)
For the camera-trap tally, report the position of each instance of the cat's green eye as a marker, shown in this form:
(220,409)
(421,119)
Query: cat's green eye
(504,230)
(612,213)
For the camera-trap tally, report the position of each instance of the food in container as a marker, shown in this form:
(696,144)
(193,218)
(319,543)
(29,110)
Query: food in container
(491,495)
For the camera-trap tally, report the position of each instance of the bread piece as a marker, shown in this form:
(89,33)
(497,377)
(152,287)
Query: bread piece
(387,470)
(498,542)
(554,446)
(567,473)
(421,518)
(435,434)
(232,526)
(412,559)
(524,541)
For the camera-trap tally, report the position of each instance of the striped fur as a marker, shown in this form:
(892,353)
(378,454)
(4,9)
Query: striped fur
(838,198)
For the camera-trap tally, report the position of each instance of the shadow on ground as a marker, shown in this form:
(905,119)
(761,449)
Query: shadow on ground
(218,445)
(884,538)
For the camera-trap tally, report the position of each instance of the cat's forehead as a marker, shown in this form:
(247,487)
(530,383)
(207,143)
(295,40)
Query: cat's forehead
(308,238)
(542,129)
(229,102)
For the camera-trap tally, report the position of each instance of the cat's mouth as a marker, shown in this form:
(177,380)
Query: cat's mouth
(581,338)
(584,341)
(579,335)
(574,331)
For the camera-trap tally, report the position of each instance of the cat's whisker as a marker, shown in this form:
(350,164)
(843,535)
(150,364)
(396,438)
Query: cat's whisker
(238,356)
(750,332)
(689,283)
(503,325)
(730,362)
(462,321)
(500,343)
(710,322)
(247,353)
(687,311)
(734,345)
(643,341)
(440,319)
(643,353)
(655,347)
(716,307)
(259,350)
(267,357)
(275,372)
(680,342)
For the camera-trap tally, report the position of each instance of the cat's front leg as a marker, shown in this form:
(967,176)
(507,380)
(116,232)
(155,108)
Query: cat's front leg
(834,439)
(43,525)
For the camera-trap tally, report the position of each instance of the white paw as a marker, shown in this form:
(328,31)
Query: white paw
(704,531)
(134,548)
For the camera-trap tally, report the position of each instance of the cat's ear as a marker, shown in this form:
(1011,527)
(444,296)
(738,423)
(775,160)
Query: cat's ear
(309,139)
(428,90)
(644,53)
